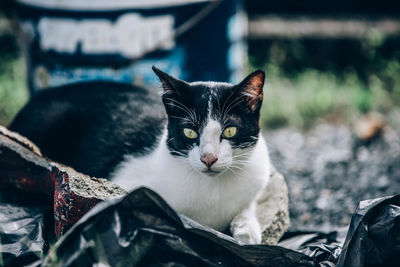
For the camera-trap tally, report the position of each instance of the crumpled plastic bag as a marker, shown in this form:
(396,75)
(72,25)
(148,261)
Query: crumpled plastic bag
(140,229)
(373,238)
(22,238)
(323,247)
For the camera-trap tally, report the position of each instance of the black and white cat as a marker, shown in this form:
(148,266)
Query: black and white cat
(206,157)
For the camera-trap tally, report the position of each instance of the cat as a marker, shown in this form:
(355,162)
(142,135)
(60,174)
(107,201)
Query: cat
(200,147)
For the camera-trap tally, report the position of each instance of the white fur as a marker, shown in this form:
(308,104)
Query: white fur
(245,226)
(213,199)
(210,143)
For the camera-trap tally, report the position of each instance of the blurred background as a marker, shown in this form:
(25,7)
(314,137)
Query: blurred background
(333,98)
(331,111)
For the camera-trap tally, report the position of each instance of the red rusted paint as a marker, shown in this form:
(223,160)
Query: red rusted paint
(20,173)
(68,207)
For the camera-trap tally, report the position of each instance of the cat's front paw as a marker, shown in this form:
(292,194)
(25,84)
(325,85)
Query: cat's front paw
(248,232)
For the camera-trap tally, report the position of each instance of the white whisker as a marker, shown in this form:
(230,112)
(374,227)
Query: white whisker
(190,112)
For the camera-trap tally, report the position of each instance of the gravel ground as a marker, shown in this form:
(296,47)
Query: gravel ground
(329,170)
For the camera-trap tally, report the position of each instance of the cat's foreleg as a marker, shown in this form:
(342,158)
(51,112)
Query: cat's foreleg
(245,226)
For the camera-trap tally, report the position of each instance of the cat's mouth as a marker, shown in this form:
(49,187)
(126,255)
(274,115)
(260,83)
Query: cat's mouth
(211,172)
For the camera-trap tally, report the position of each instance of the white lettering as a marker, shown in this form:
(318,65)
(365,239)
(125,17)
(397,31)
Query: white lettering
(131,35)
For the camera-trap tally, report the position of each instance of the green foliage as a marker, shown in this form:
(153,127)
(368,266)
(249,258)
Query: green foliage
(309,80)
(312,95)
(13,89)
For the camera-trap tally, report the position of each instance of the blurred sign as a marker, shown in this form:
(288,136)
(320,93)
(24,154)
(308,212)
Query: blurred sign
(70,40)
(131,35)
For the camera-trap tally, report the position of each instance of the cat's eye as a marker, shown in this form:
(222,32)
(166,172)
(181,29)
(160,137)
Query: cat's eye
(189,133)
(229,132)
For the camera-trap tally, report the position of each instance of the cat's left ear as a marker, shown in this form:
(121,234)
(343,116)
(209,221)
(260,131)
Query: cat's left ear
(252,88)
(170,84)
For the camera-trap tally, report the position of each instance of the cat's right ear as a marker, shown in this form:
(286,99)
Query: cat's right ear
(170,84)
(252,88)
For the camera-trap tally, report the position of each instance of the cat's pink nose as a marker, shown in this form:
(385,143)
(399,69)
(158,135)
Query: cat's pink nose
(209,159)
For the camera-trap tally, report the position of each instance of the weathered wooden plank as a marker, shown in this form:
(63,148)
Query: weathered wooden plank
(324,27)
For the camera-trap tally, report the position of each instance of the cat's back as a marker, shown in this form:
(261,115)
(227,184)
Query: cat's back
(91,126)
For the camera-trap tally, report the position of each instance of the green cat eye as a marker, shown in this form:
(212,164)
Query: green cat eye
(189,133)
(229,132)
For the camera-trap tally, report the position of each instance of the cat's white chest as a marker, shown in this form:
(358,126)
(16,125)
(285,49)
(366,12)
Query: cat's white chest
(212,201)
(216,203)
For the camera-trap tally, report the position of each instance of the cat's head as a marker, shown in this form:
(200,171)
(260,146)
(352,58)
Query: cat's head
(213,125)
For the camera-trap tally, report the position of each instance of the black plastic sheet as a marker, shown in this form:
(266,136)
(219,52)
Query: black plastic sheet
(140,229)
(373,238)
(22,238)
(323,247)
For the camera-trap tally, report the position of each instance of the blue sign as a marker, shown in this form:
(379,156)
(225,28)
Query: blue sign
(73,40)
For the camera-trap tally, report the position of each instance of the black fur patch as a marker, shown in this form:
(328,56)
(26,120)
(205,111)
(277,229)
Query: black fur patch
(92,126)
